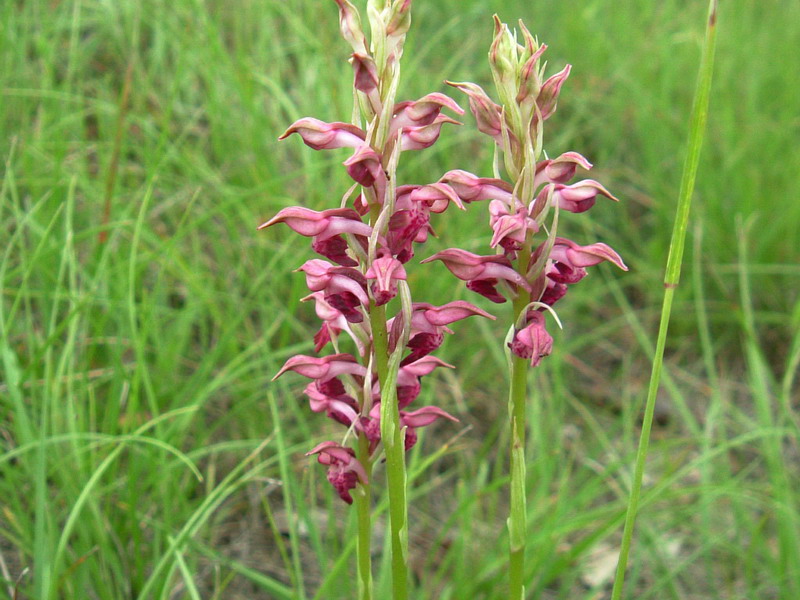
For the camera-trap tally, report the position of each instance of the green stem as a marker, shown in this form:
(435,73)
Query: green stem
(516,519)
(364,507)
(393,443)
(696,131)
(517,399)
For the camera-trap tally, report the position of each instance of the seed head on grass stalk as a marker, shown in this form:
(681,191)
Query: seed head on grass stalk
(366,244)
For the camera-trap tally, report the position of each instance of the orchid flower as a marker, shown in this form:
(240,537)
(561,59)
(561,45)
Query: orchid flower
(533,273)
(360,286)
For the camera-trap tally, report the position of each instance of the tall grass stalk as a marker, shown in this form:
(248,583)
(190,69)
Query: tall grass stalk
(671,280)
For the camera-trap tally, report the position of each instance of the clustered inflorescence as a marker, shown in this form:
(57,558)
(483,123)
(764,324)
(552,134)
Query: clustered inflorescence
(536,271)
(365,244)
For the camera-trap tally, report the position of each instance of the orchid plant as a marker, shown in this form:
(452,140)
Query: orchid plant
(532,265)
(366,243)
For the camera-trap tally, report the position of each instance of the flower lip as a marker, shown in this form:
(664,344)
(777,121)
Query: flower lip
(532,341)
(344,470)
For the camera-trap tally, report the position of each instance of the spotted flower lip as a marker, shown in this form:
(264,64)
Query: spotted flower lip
(323,368)
(320,135)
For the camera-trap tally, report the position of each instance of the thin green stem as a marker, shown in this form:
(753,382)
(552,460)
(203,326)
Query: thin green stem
(517,399)
(696,131)
(363,501)
(517,520)
(392,437)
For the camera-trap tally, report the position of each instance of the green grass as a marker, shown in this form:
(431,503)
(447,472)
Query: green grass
(145,453)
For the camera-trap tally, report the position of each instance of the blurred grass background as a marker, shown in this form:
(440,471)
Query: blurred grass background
(145,453)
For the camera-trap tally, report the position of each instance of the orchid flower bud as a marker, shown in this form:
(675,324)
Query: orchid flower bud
(503,59)
(399,18)
(530,84)
(531,44)
(350,26)
(487,114)
(548,96)
(320,135)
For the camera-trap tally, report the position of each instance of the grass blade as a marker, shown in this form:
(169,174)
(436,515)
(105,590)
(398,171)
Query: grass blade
(696,134)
